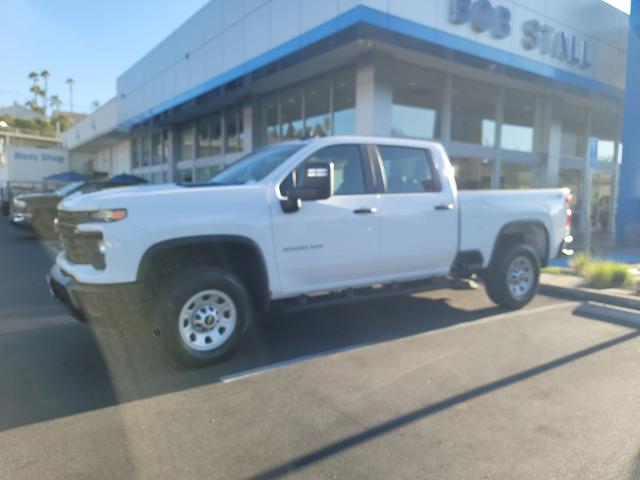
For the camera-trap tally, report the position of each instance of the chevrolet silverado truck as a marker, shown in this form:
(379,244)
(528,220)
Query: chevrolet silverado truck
(296,224)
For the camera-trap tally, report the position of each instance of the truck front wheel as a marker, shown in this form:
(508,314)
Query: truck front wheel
(206,313)
(512,279)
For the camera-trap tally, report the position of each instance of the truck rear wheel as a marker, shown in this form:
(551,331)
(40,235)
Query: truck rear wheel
(207,312)
(513,278)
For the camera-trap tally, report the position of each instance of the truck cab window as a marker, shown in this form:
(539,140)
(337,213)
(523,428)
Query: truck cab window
(408,170)
(347,165)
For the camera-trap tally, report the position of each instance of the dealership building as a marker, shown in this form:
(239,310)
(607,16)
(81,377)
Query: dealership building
(513,89)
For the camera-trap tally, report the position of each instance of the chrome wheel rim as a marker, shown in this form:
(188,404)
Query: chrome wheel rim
(207,320)
(521,275)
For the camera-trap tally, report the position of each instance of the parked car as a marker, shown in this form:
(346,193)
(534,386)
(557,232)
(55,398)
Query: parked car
(298,224)
(37,211)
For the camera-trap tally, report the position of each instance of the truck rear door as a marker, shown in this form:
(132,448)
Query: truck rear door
(419,221)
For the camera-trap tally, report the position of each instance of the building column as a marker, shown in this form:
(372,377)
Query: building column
(553,136)
(374,98)
(628,212)
(497,164)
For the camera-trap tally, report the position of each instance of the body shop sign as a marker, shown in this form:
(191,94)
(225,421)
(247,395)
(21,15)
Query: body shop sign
(557,44)
(39,157)
(33,164)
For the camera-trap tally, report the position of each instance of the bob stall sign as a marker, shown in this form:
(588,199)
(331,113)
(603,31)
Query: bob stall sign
(484,17)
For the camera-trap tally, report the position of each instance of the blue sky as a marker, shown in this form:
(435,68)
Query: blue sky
(93,41)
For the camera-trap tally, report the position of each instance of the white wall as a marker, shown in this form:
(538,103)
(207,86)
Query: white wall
(33,164)
(227,33)
(101,122)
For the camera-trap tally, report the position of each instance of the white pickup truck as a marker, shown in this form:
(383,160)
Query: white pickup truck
(299,223)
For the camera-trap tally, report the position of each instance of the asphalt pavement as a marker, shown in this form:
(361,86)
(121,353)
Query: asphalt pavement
(434,385)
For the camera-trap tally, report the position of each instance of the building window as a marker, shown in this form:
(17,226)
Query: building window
(318,107)
(325,106)
(473,112)
(473,173)
(204,137)
(165,147)
(516,176)
(186,141)
(292,119)
(574,131)
(417,102)
(516,131)
(156,148)
(235,131)
(146,150)
(271,119)
(135,153)
(603,127)
(344,103)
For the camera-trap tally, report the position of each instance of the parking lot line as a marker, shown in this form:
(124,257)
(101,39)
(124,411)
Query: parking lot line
(501,316)
(272,366)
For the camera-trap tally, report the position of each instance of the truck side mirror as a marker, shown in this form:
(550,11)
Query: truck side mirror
(316,184)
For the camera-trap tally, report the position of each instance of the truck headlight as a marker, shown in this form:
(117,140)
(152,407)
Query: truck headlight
(108,215)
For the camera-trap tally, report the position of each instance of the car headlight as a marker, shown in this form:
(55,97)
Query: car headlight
(108,215)
(17,203)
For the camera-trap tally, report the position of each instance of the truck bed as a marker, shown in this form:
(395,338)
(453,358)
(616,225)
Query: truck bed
(484,213)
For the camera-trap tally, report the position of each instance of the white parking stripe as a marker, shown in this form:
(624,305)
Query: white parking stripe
(502,316)
(284,363)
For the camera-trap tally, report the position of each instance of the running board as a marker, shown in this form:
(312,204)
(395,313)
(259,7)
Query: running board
(350,295)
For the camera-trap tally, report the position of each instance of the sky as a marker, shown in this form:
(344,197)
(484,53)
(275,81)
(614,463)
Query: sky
(91,41)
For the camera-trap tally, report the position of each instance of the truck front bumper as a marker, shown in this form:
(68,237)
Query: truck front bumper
(114,306)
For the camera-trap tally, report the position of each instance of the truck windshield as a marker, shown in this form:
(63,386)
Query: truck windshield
(255,166)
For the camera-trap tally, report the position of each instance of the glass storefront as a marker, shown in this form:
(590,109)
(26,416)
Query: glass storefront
(516,175)
(600,201)
(417,102)
(574,131)
(517,129)
(473,173)
(473,114)
(604,126)
(320,107)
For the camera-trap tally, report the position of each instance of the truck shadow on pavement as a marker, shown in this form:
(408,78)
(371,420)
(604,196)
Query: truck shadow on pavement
(59,370)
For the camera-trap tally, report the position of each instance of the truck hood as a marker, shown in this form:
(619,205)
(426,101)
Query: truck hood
(136,197)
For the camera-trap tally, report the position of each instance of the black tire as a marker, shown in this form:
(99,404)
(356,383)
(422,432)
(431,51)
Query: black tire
(179,291)
(497,280)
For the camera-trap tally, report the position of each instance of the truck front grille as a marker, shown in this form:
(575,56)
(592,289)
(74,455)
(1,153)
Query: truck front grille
(80,247)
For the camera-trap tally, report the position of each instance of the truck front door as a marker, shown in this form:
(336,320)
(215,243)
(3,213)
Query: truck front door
(334,242)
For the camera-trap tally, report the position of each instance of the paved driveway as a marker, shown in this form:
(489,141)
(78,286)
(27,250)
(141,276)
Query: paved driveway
(439,385)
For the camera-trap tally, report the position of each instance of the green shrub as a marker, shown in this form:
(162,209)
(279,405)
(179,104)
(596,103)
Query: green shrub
(608,275)
(580,262)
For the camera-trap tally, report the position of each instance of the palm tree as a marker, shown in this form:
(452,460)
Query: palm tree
(55,102)
(71,82)
(45,75)
(34,77)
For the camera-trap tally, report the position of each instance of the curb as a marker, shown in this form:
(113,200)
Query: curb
(589,295)
(630,318)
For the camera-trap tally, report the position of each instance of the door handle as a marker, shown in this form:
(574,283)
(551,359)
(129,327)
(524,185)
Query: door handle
(364,211)
(444,206)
